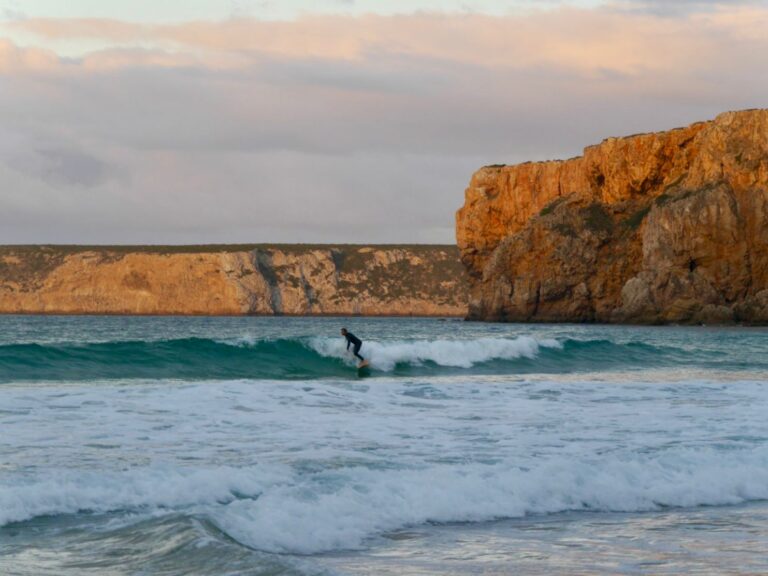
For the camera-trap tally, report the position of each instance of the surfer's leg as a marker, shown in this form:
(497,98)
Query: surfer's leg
(357,352)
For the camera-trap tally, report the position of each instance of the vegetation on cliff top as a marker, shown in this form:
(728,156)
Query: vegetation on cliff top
(386,279)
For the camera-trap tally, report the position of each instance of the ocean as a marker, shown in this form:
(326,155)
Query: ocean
(251,446)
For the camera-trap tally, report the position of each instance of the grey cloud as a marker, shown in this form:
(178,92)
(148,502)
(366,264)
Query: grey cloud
(425,108)
(269,197)
(56,162)
(70,167)
(681,7)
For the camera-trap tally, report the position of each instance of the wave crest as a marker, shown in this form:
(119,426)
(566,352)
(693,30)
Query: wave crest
(276,509)
(449,353)
(313,357)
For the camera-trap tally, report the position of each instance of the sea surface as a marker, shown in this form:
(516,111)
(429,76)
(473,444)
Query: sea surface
(252,446)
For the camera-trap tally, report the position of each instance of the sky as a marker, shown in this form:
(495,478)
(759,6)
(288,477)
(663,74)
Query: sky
(360,121)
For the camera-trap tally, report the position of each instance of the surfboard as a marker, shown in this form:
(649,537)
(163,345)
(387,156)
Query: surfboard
(364,368)
(363,364)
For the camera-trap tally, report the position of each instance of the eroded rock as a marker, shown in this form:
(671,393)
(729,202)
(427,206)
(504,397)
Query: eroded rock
(296,280)
(655,228)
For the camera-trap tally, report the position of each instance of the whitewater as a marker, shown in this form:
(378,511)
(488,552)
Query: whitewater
(252,446)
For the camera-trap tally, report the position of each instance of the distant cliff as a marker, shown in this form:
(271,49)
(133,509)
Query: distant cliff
(213,280)
(655,228)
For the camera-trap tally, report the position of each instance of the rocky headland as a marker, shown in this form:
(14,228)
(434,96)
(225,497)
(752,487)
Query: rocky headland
(670,227)
(231,280)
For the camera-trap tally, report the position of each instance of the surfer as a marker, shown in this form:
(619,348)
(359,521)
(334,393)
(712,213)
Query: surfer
(354,341)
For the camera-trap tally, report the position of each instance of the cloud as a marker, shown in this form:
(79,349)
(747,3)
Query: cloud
(570,38)
(683,7)
(63,167)
(334,128)
(16,59)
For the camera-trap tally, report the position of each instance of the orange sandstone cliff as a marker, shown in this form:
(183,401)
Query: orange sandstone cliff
(224,280)
(670,227)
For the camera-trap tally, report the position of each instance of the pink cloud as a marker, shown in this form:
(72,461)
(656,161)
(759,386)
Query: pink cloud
(585,41)
(16,59)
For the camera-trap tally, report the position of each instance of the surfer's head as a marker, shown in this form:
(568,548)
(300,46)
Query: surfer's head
(343,331)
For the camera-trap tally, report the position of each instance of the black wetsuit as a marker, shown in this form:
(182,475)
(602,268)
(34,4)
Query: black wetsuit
(354,341)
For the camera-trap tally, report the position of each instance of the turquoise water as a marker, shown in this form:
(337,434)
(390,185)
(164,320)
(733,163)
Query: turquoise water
(252,446)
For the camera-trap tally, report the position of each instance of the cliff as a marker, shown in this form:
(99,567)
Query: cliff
(670,227)
(224,280)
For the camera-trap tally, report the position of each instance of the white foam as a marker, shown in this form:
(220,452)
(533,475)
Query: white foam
(68,492)
(328,464)
(310,513)
(303,518)
(453,353)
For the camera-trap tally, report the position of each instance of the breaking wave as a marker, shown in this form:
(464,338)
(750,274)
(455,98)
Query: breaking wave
(311,358)
(282,510)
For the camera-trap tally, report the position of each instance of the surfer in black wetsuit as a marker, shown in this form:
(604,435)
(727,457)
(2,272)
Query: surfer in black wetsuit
(354,341)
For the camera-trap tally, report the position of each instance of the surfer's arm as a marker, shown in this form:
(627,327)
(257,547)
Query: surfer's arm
(348,343)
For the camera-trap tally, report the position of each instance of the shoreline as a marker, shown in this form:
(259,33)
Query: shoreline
(445,317)
(201,315)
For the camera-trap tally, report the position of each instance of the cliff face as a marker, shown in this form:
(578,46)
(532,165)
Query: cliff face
(654,228)
(408,280)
